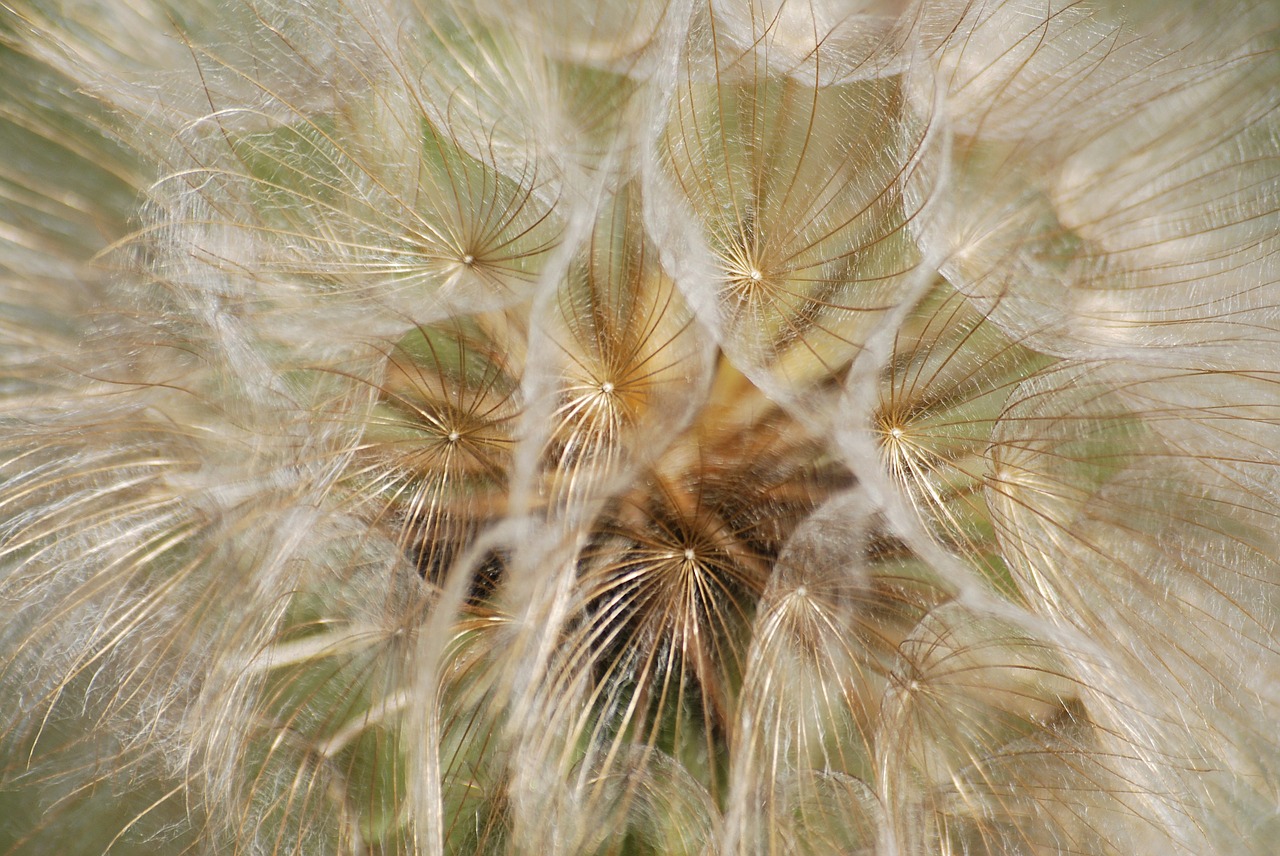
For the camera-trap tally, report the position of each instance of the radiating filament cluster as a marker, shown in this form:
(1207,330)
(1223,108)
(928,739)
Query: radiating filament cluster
(658,427)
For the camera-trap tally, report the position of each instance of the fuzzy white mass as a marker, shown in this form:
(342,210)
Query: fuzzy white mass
(656,427)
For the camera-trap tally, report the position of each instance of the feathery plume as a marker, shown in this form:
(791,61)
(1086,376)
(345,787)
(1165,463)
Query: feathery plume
(682,426)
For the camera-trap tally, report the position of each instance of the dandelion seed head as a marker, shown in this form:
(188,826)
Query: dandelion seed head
(727,428)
